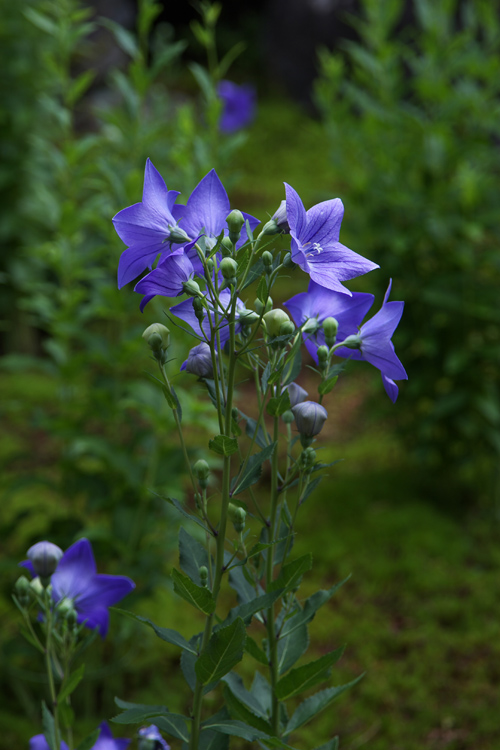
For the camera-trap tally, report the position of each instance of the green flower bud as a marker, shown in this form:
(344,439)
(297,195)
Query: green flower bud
(237,516)
(201,471)
(203,571)
(36,587)
(228,268)
(67,611)
(248,317)
(287,328)
(176,234)
(267,259)
(269,304)
(311,326)
(235,221)
(259,306)
(191,287)
(352,342)
(273,321)
(198,308)
(330,328)
(210,265)
(278,223)
(322,353)
(226,247)
(157,336)
(288,417)
(22,591)
(287,261)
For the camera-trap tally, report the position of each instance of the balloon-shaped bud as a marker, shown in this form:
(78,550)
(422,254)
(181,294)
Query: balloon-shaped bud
(267,259)
(297,393)
(288,262)
(176,234)
(199,361)
(309,417)
(287,328)
(288,417)
(237,515)
(278,223)
(44,556)
(226,247)
(248,317)
(273,321)
(352,342)
(157,336)
(149,738)
(229,269)
(322,353)
(191,288)
(201,471)
(22,591)
(330,328)
(235,221)
(203,571)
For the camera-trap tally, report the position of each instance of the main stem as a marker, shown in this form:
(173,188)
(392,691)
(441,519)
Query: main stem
(221,533)
(50,674)
(271,630)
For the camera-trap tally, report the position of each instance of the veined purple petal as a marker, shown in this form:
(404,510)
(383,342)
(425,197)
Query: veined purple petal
(74,572)
(104,590)
(385,321)
(106,741)
(94,618)
(207,207)
(135,260)
(167,279)
(323,222)
(391,388)
(295,211)
(381,354)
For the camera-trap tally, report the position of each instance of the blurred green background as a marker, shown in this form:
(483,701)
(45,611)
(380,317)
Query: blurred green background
(402,122)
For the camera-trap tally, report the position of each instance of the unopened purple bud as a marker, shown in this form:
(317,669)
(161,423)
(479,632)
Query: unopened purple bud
(297,394)
(44,556)
(199,361)
(278,223)
(149,738)
(309,417)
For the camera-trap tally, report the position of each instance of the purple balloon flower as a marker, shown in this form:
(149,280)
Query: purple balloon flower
(44,557)
(238,106)
(167,279)
(149,227)
(321,303)
(184,310)
(309,417)
(199,361)
(373,344)
(105,741)
(152,736)
(315,243)
(38,742)
(296,393)
(91,593)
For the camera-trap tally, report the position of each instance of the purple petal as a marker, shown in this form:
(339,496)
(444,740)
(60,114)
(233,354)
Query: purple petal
(106,741)
(29,566)
(135,260)
(94,618)
(155,195)
(104,591)
(75,570)
(300,307)
(38,742)
(384,322)
(167,279)
(140,224)
(323,222)
(390,388)
(381,354)
(239,105)
(207,207)
(295,211)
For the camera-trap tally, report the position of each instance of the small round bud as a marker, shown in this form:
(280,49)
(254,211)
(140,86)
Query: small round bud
(297,394)
(267,259)
(330,328)
(352,342)
(36,586)
(311,326)
(273,321)
(322,353)
(149,738)
(176,234)
(228,268)
(278,223)
(287,261)
(44,557)
(201,469)
(157,336)
(269,304)
(191,287)
(237,515)
(199,361)
(235,221)
(22,591)
(67,611)
(235,413)
(226,247)
(198,308)
(287,328)
(309,417)
(203,571)
(288,417)
(248,317)
(259,306)
(210,265)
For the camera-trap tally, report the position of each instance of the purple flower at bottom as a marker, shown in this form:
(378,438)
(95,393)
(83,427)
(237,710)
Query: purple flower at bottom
(373,344)
(167,279)
(91,593)
(151,739)
(105,741)
(238,106)
(315,243)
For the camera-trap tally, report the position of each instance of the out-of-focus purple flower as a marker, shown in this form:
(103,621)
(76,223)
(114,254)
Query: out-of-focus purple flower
(76,578)
(168,279)
(44,557)
(315,243)
(206,212)
(320,303)
(106,741)
(373,344)
(185,311)
(238,106)
(309,417)
(148,228)
(151,739)
(38,742)
(296,393)
(199,361)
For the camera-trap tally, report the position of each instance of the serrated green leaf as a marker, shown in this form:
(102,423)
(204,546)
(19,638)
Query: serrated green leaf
(239,710)
(192,555)
(302,678)
(279,405)
(312,706)
(255,651)
(247,610)
(49,731)
(210,740)
(71,683)
(327,385)
(253,469)
(224,650)
(238,689)
(174,724)
(166,634)
(198,596)
(291,573)
(223,445)
(135,713)
(311,606)
(291,647)
(89,741)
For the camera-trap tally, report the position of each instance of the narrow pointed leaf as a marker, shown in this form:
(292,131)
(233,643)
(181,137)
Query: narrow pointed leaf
(310,608)
(49,731)
(192,555)
(255,651)
(291,647)
(291,573)
(198,596)
(238,710)
(183,511)
(246,611)
(71,684)
(316,703)
(166,634)
(135,713)
(225,649)
(173,724)
(253,469)
(302,678)
(238,689)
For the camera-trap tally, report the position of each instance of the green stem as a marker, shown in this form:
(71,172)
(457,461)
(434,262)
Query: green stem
(179,430)
(50,674)
(271,629)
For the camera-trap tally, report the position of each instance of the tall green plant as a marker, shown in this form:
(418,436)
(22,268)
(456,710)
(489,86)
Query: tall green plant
(414,122)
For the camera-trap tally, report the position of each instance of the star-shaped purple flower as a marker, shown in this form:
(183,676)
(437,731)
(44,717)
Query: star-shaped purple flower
(315,243)
(148,228)
(238,106)
(167,279)
(105,741)
(373,344)
(76,578)
(321,303)
(185,311)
